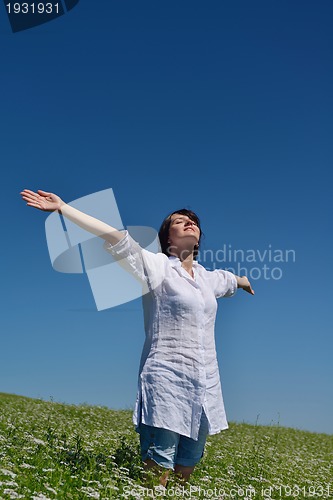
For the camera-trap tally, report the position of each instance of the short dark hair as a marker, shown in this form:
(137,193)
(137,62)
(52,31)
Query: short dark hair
(165,226)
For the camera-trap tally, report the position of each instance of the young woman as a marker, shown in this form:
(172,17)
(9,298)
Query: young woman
(179,400)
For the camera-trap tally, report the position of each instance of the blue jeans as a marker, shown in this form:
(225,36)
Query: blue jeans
(168,448)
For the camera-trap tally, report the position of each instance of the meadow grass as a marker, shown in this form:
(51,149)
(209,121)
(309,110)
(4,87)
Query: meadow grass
(50,450)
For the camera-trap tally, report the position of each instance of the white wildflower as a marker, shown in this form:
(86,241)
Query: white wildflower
(10,483)
(231,470)
(12,493)
(48,487)
(38,441)
(90,492)
(8,472)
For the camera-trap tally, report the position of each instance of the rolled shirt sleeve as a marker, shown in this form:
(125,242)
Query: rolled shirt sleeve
(145,266)
(224,283)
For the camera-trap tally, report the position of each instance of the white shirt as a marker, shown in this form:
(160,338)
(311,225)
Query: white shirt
(179,373)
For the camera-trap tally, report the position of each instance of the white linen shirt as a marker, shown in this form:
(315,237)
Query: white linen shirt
(179,373)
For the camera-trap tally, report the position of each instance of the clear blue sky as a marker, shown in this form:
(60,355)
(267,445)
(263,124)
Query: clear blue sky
(221,107)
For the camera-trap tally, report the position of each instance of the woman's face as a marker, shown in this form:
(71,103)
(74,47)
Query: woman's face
(183,231)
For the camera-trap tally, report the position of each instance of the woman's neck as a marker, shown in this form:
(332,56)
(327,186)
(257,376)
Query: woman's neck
(186,258)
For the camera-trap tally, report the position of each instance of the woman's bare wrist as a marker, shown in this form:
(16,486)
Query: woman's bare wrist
(61,206)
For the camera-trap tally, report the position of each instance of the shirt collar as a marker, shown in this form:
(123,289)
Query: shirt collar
(175,261)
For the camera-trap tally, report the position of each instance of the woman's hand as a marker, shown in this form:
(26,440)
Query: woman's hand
(48,202)
(244,283)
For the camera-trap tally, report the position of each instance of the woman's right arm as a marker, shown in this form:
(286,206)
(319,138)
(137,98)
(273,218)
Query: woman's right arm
(50,202)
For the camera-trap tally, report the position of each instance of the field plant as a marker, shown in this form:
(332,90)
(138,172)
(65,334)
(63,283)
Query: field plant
(50,450)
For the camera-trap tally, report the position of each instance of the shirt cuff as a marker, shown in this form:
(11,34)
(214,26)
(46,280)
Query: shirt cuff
(235,284)
(118,247)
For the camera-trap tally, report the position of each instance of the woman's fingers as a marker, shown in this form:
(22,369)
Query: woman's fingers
(31,199)
(44,193)
(35,195)
(248,288)
(35,205)
(30,196)
(28,191)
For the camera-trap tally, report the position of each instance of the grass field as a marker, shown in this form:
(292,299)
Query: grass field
(50,450)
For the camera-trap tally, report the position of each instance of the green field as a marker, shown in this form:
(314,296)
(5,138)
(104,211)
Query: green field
(50,450)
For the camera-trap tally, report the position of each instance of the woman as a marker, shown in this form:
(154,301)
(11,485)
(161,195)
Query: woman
(179,400)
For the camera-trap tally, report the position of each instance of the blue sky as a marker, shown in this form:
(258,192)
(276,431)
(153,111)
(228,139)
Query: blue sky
(221,107)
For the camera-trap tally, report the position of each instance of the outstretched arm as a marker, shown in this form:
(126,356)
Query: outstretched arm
(50,202)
